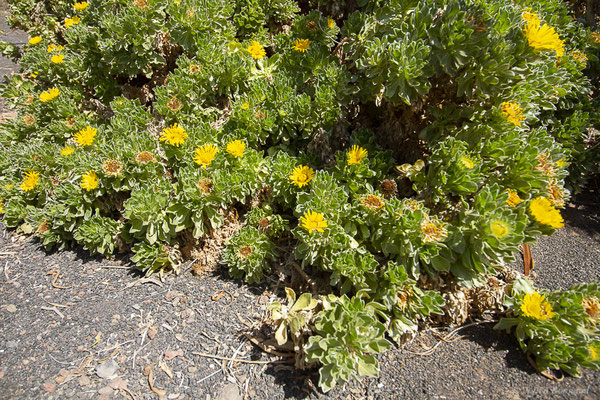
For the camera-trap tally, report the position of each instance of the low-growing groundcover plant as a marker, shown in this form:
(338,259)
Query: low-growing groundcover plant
(378,147)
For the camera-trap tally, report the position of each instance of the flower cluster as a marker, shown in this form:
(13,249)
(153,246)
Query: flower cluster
(513,112)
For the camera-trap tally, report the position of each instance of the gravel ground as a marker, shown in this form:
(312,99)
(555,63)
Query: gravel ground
(79,327)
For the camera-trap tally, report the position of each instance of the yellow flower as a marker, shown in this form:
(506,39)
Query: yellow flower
(53,47)
(467,162)
(205,154)
(535,306)
(433,230)
(513,198)
(57,58)
(35,40)
(594,349)
(49,95)
(513,112)
(85,137)
(245,106)
(80,6)
(34,74)
(67,151)
(1,206)
(301,45)
(595,37)
(69,22)
(499,229)
(544,37)
(531,17)
(356,155)
(543,212)
(330,23)
(302,175)
(236,148)
(30,180)
(256,50)
(9,186)
(313,221)
(89,181)
(174,134)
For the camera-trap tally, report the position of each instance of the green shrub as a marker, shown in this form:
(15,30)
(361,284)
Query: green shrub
(383,144)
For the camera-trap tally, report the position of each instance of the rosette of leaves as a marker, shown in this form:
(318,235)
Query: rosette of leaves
(197,202)
(148,215)
(98,234)
(248,254)
(353,270)
(278,180)
(326,195)
(263,219)
(152,257)
(451,170)
(490,233)
(295,317)
(558,328)
(238,178)
(405,301)
(347,333)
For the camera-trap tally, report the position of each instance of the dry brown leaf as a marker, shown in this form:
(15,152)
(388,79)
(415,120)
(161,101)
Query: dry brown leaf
(171,354)
(162,365)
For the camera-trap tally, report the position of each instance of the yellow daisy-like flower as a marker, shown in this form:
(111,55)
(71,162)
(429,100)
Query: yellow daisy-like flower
(535,306)
(80,6)
(236,148)
(313,221)
(302,175)
(543,212)
(433,230)
(35,40)
(86,136)
(513,112)
(330,23)
(67,151)
(1,205)
(467,162)
(301,45)
(513,198)
(256,50)
(89,181)
(52,47)
(175,135)
(594,349)
(69,22)
(49,95)
(544,37)
(205,154)
(57,58)
(356,155)
(499,229)
(245,106)
(531,17)
(30,180)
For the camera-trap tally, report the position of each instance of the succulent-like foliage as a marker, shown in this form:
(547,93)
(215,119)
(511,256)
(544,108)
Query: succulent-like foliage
(379,142)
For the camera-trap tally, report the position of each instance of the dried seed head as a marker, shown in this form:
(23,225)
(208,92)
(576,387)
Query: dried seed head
(174,104)
(43,228)
(145,157)
(29,119)
(194,68)
(205,185)
(70,123)
(245,252)
(112,168)
(373,202)
(592,308)
(141,3)
(389,188)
